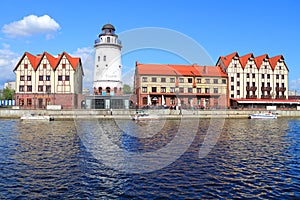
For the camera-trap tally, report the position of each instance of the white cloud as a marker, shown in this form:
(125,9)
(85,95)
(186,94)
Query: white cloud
(31,25)
(8,60)
(294,84)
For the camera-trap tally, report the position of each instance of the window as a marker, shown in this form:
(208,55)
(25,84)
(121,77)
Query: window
(22,78)
(232,79)
(207,81)
(190,90)
(172,80)
(29,88)
(207,90)
(60,78)
(216,90)
(262,75)
(268,76)
(67,78)
(98,58)
(253,75)
(277,76)
(153,79)
(40,88)
(29,101)
(198,80)
(190,80)
(108,39)
(163,89)
(282,76)
(223,81)
(181,90)
(25,66)
(232,95)
(47,78)
(238,92)
(144,79)
(198,90)
(104,58)
(248,75)
(238,83)
(28,78)
(40,78)
(181,80)
(48,88)
(172,89)
(21,88)
(44,66)
(144,89)
(163,80)
(238,75)
(172,100)
(215,81)
(154,89)
(232,88)
(63,66)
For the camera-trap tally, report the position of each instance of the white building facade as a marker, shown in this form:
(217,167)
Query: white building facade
(252,77)
(108,66)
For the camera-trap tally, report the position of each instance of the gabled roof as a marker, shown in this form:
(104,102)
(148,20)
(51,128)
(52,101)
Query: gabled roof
(180,70)
(227,59)
(244,59)
(259,60)
(36,60)
(273,61)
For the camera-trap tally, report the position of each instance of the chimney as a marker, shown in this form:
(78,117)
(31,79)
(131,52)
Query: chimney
(204,69)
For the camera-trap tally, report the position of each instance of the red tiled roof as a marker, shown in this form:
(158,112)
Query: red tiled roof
(259,59)
(244,59)
(35,60)
(227,59)
(180,70)
(273,61)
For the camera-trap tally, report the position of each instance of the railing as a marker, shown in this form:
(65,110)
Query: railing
(266,88)
(280,89)
(266,96)
(251,88)
(280,97)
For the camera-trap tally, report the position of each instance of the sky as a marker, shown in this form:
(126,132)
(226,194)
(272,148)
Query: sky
(216,28)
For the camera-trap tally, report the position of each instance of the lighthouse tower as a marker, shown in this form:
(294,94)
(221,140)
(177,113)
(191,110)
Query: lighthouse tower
(108,67)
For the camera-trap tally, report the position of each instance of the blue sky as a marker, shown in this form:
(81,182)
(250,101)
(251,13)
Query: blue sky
(220,27)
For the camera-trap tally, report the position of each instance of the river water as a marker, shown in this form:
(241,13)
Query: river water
(167,159)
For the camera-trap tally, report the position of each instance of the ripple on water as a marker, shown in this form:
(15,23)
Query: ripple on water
(256,159)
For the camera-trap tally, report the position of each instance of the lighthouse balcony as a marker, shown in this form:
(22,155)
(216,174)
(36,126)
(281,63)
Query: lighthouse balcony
(98,41)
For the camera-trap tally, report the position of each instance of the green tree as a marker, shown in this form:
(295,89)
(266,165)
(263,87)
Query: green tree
(8,94)
(127,89)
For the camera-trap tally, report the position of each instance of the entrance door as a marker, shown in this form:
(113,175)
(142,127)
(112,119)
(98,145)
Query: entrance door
(40,104)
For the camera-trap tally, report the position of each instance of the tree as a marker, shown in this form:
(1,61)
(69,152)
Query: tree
(127,89)
(8,93)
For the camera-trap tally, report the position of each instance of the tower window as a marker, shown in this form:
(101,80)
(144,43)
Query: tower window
(98,58)
(104,58)
(108,39)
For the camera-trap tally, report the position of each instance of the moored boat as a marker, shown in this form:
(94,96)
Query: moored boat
(268,115)
(34,117)
(142,115)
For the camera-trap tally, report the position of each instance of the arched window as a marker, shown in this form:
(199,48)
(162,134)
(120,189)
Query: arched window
(108,39)
(100,90)
(108,90)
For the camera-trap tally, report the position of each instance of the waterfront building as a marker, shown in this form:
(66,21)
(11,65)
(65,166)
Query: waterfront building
(107,85)
(43,80)
(185,86)
(108,66)
(10,85)
(254,78)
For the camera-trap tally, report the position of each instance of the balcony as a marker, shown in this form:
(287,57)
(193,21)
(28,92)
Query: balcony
(266,89)
(251,88)
(266,96)
(280,89)
(251,96)
(280,97)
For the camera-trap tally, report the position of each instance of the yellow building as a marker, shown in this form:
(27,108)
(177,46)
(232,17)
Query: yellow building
(187,86)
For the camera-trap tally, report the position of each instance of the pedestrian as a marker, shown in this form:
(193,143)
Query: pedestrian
(111,111)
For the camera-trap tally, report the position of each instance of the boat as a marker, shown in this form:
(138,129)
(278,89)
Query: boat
(142,115)
(268,115)
(34,117)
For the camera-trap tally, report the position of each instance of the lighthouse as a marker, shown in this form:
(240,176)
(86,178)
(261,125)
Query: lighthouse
(108,66)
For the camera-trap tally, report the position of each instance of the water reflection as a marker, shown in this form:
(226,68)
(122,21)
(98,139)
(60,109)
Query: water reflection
(258,159)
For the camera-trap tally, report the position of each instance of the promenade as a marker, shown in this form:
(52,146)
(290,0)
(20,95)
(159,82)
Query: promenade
(125,114)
